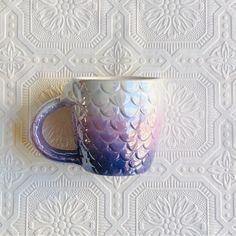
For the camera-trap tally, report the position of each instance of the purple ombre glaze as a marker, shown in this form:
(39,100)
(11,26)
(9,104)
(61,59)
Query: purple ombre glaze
(116,132)
(108,142)
(39,141)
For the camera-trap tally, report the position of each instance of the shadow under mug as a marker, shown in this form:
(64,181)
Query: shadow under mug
(116,122)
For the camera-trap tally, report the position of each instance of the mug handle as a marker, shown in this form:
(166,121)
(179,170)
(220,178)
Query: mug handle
(73,156)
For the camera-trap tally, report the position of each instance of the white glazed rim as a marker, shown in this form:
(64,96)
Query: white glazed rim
(119,78)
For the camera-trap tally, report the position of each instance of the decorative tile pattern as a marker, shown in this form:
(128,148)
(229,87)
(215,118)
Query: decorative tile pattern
(117,60)
(223,170)
(172,18)
(165,213)
(11,170)
(65,18)
(187,114)
(222,60)
(191,186)
(65,24)
(12,59)
(179,125)
(70,207)
(172,208)
(171,24)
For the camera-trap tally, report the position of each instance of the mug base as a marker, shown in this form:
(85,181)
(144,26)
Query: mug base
(117,167)
(116,174)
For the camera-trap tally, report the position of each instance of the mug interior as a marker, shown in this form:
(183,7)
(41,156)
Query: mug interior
(114,78)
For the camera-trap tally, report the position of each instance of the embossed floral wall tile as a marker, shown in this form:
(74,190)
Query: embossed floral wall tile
(190,189)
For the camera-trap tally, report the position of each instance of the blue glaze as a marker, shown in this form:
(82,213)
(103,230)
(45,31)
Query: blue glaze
(113,130)
(39,141)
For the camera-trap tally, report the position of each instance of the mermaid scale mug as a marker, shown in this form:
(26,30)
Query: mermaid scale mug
(116,123)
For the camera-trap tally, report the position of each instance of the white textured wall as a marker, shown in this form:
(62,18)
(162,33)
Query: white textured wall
(191,187)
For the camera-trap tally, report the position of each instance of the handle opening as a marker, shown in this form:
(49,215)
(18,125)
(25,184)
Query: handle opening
(72,156)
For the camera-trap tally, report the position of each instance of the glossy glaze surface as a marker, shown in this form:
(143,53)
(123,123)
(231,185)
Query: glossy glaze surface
(117,125)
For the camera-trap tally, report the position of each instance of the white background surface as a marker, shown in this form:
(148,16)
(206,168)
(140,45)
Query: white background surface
(191,187)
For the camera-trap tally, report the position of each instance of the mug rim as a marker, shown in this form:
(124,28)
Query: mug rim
(114,78)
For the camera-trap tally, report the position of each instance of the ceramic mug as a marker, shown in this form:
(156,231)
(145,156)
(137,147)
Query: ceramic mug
(116,122)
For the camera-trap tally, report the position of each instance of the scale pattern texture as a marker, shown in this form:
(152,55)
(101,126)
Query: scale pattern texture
(190,188)
(118,125)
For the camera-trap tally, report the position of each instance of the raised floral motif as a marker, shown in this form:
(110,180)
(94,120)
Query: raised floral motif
(172,215)
(66,17)
(12,59)
(117,60)
(180,124)
(223,170)
(223,60)
(62,215)
(172,17)
(11,170)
